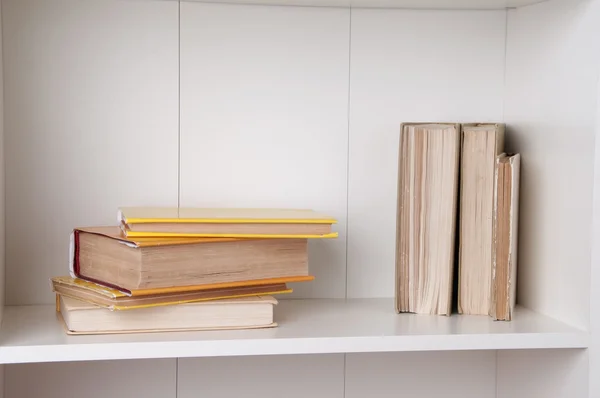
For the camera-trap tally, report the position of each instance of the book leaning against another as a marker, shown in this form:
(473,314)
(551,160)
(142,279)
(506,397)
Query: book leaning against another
(506,217)
(241,313)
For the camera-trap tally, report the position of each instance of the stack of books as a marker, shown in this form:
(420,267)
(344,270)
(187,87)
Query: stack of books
(458,197)
(164,269)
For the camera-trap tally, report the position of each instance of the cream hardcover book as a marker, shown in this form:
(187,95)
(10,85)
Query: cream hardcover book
(240,313)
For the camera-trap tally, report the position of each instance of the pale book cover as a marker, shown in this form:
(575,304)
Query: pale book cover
(242,313)
(506,220)
(428,169)
(481,144)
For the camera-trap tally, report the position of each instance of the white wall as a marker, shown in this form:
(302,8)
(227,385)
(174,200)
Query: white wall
(318,376)
(99,379)
(594,351)
(2,172)
(91,110)
(467,374)
(91,123)
(264,117)
(2,199)
(401,72)
(553,64)
(543,373)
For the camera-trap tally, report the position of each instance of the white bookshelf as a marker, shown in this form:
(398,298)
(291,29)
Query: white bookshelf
(307,326)
(298,103)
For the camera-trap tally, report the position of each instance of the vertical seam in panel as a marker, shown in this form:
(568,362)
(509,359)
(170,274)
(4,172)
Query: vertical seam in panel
(496,378)
(348,172)
(178,149)
(504,88)
(178,104)
(3,301)
(176,378)
(3,127)
(344,389)
(348,149)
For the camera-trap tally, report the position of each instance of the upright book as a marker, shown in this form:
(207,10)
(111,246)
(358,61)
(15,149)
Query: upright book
(426,217)
(227,222)
(481,144)
(161,265)
(506,216)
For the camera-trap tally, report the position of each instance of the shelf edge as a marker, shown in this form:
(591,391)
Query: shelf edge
(289,346)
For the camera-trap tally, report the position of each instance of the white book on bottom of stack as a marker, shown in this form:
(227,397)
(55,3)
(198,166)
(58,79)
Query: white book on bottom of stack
(239,313)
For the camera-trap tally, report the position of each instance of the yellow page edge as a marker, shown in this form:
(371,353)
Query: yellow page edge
(228,221)
(132,234)
(125,308)
(121,308)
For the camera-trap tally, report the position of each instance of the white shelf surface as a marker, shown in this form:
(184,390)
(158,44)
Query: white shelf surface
(311,326)
(404,4)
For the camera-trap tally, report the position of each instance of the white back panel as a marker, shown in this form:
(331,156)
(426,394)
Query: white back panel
(101,379)
(264,117)
(462,374)
(553,64)
(408,65)
(2,192)
(298,376)
(91,124)
(594,351)
(543,373)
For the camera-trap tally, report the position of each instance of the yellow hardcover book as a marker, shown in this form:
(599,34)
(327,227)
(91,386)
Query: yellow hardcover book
(114,299)
(225,223)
